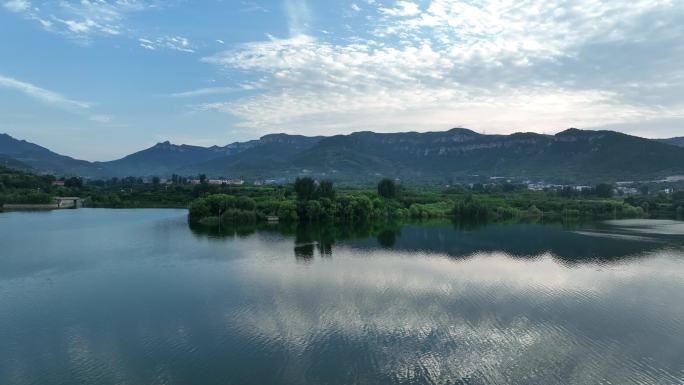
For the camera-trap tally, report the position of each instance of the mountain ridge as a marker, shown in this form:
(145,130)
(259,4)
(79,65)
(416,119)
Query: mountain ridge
(676,141)
(44,160)
(434,156)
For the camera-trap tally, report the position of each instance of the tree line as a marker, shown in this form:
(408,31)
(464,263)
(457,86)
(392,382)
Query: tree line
(308,200)
(312,201)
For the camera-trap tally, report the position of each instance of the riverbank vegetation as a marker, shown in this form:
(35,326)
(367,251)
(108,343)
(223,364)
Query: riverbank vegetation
(18,187)
(310,201)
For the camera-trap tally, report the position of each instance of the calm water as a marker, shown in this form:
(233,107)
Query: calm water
(135,297)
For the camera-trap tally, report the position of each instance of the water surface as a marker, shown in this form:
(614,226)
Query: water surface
(136,297)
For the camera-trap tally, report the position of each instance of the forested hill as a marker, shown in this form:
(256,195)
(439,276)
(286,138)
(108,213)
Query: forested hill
(431,157)
(678,141)
(572,155)
(43,160)
(11,163)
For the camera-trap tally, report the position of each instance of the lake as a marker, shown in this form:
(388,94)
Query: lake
(95,296)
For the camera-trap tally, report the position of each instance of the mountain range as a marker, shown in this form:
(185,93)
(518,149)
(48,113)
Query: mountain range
(429,157)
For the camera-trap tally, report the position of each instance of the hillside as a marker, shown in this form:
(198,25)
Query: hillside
(678,141)
(43,160)
(267,157)
(11,163)
(431,157)
(161,159)
(571,155)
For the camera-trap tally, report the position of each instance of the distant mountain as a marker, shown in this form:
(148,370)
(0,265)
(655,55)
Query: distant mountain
(162,159)
(430,157)
(678,141)
(265,157)
(9,162)
(43,160)
(570,155)
(166,158)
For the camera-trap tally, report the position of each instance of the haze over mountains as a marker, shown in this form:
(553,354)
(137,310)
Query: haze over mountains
(430,157)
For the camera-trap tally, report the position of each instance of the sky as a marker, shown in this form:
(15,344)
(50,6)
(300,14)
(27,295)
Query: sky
(99,79)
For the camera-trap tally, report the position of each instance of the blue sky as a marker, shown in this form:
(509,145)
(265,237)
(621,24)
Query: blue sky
(99,79)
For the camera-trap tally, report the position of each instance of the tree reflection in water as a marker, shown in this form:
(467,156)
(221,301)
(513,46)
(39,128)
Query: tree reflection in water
(569,242)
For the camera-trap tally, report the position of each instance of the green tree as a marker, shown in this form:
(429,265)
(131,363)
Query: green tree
(245,203)
(305,188)
(603,190)
(534,211)
(73,182)
(361,208)
(199,208)
(287,211)
(313,210)
(326,189)
(219,203)
(49,178)
(387,188)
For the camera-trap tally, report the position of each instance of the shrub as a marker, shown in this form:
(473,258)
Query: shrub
(534,211)
(199,208)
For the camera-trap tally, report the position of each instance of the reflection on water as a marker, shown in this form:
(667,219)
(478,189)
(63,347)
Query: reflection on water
(570,243)
(134,296)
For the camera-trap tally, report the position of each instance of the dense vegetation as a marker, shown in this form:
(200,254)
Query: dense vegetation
(23,187)
(27,188)
(311,202)
(660,205)
(308,201)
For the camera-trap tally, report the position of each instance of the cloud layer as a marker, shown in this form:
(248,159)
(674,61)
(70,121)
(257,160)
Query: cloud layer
(85,20)
(245,68)
(496,65)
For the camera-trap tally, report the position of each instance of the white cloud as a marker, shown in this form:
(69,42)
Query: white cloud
(176,43)
(87,18)
(54,99)
(206,91)
(84,20)
(105,119)
(250,6)
(42,94)
(17,5)
(355,7)
(494,65)
(403,8)
(298,16)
